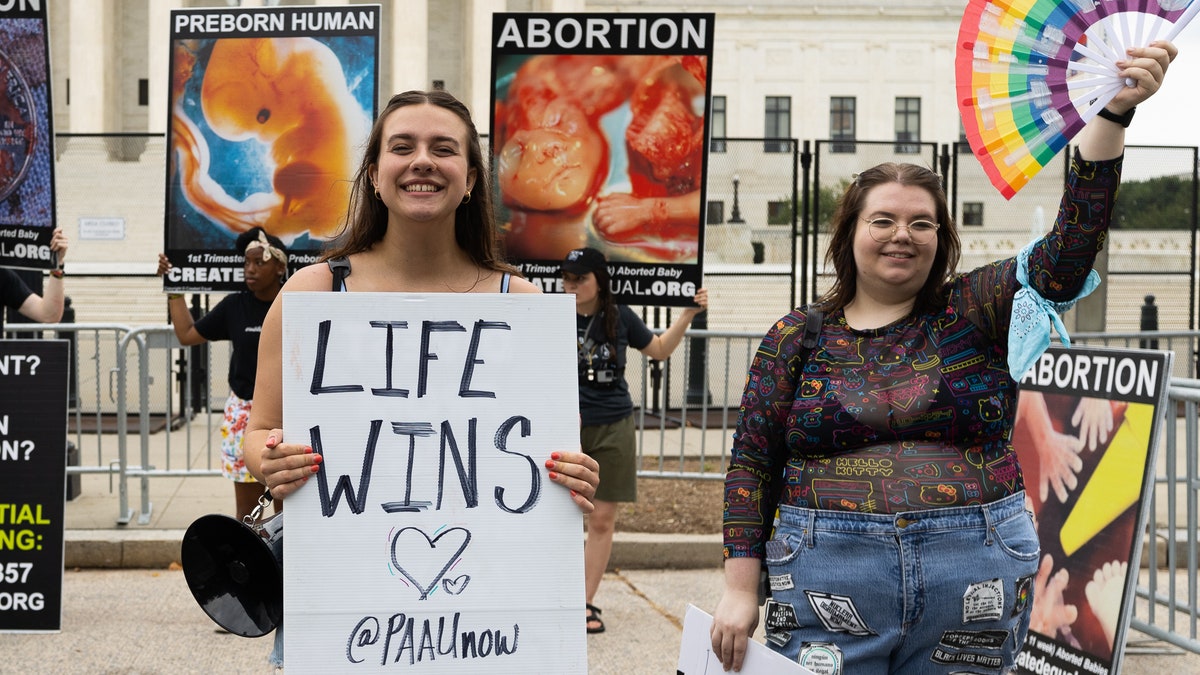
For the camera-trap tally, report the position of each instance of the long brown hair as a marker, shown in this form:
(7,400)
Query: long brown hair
(475,229)
(845,219)
(606,302)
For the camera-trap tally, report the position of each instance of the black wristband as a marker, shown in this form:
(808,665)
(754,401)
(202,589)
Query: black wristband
(1113,117)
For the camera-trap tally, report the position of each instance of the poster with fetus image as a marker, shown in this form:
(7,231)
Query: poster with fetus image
(599,132)
(269,111)
(1086,431)
(27,216)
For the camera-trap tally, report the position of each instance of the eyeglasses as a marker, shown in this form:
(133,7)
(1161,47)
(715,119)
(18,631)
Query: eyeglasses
(919,231)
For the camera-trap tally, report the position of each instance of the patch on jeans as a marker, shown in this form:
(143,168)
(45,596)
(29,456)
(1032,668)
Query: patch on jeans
(781,582)
(781,616)
(823,658)
(963,658)
(974,639)
(838,613)
(983,601)
(779,638)
(1022,594)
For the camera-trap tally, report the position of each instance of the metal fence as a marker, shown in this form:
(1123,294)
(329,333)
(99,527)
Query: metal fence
(133,388)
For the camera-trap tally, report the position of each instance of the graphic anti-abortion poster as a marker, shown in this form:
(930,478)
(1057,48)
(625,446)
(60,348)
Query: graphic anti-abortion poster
(33,470)
(431,539)
(1086,433)
(26,139)
(598,137)
(269,111)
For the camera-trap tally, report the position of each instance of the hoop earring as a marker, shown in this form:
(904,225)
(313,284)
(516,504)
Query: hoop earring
(377,195)
(467,198)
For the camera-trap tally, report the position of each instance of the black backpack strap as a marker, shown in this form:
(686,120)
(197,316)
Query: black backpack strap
(340,267)
(812,329)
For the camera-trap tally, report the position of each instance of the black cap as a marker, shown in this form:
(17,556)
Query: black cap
(584,260)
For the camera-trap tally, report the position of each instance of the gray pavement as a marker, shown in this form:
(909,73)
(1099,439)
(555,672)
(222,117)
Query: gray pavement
(127,608)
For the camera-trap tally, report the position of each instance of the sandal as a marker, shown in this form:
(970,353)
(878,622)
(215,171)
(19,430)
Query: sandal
(593,617)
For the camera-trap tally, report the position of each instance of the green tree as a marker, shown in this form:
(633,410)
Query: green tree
(1163,203)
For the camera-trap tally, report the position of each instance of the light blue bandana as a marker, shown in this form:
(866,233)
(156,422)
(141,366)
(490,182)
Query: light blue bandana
(1032,316)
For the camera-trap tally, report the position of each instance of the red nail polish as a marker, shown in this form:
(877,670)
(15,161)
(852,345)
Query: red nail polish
(574,493)
(315,468)
(553,476)
(271,441)
(317,459)
(307,450)
(549,464)
(556,455)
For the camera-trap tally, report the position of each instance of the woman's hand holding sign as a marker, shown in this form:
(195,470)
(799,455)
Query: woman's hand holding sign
(577,472)
(287,466)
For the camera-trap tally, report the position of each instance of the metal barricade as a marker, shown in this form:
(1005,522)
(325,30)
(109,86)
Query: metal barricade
(685,429)
(1167,609)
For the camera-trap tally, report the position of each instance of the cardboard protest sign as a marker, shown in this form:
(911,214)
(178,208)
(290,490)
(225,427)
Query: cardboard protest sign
(33,469)
(1086,434)
(26,139)
(431,536)
(599,133)
(269,110)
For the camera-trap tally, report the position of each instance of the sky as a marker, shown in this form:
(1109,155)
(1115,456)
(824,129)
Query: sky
(1172,116)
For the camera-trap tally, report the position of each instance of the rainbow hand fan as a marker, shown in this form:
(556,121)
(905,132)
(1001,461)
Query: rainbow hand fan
(1031,73)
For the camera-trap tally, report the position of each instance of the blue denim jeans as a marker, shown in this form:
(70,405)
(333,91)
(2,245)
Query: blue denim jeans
(940,591)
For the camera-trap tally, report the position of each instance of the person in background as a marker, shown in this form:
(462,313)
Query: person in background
(903,543)
(16,294)
(420,221)
(606,410)
(238,317)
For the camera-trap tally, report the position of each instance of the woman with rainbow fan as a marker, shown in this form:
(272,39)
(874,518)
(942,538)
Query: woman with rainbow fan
(883,431)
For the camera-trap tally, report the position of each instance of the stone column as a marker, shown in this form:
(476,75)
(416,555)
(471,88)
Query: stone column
(89,59)
(158,60)
(409,54)
(477,58)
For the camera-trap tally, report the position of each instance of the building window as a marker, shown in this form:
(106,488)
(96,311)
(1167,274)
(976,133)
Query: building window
(716,213)
(779,212)
(716,125)
(964,146)
(972,214)
(778,124)
(143,92)
(908,125)
(842,123)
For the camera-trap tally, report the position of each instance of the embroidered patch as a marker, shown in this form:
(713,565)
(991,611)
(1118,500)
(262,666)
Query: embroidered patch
(838,613)
(1022,594)
(983,601)
(968,639)
(781,616)
(822,658)
(781,582)
(956,658)
(779,638)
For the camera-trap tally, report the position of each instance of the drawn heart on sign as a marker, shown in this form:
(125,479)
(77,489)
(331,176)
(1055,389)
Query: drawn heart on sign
(425,557)
(456,586)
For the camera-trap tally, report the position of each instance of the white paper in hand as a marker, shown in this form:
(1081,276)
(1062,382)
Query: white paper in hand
(696,656)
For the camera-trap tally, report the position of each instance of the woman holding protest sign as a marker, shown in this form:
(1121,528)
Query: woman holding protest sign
(420,221)
(884,434)
(605,408)
(238,317)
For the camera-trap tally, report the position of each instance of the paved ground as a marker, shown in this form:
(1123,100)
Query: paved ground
(127,610)
(134,621)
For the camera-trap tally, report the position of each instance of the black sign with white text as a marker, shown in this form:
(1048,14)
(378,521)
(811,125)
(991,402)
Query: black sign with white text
(33,466)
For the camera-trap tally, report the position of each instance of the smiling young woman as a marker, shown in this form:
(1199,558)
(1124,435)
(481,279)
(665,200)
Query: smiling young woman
(885,443)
